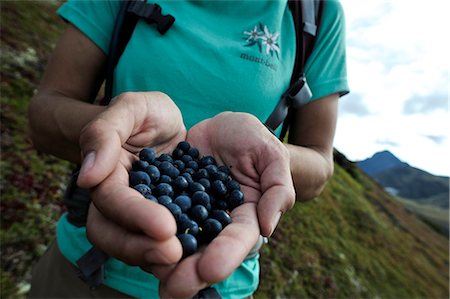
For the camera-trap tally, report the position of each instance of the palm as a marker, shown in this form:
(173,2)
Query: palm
(261,164)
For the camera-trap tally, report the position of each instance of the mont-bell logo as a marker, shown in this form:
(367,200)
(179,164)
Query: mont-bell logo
(264,39)
(266,42)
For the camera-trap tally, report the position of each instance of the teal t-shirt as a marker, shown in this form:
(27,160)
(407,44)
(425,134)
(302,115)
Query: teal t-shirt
(218,56)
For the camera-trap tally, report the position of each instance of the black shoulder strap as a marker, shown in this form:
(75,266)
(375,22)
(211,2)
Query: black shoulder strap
(307,17)
(129,14)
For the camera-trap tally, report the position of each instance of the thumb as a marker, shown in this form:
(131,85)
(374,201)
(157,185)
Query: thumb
(100,149)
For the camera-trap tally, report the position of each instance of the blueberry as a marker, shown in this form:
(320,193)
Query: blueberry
(201,174)
(143,189)
(207,160)
(179,164)
(173,172)
(139,177)
(184,146)
(153,173)
(192,164)
(139,165)
(151,197)
(189,170)
(148,154)
(188,177)
(174,209)
(164,166)
(199,213)
(221,205)
(219,175)
(177,153)
(184,202)
(193,152)
(200,198)
(235,199)
(163,189)
(211,228)
(187,226)
(180,183)
(205,182)
(218,188)
(165,179)
(225,169)
(186,158)
(165,158)
(164,200)
(233,185)
(211,168)
(188,243)
(194,187)
(183,217)
(221,216)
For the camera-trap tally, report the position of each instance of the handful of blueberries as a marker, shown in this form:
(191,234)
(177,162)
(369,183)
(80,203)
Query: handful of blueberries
(199,193)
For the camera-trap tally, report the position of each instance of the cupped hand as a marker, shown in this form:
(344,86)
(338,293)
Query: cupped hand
(121,222)
(260,162)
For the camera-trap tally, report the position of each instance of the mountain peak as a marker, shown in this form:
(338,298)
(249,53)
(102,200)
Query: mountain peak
(380,161)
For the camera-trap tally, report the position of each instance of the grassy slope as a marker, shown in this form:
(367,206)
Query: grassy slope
(436,217)
(352,242)
(31,183)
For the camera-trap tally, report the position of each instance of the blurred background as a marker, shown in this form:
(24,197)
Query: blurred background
(379,230)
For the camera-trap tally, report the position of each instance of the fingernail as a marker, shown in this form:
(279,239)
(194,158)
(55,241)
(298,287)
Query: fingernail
(88,162)
(275,221)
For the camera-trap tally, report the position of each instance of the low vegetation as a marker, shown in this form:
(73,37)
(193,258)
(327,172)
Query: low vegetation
(354,241)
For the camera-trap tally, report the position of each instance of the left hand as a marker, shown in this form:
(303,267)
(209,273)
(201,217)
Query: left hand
(260,162)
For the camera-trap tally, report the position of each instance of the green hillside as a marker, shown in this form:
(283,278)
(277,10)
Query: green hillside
(354,241)
(416,184)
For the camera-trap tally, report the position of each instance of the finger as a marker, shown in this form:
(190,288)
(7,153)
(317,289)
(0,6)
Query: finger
(278,194)
(229,249)
(101,143)
(183,281)
(161,272)
(128,208)
(131,248)
(219,259)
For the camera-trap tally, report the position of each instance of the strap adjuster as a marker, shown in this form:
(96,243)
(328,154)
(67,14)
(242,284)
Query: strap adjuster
(296,96)
(298,93)
(151,13)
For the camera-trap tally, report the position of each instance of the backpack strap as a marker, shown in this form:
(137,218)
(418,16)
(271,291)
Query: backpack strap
(129,14)
(307,16)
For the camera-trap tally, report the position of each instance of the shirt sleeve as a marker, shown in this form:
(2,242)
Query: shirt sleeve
(326,69)
(93,18)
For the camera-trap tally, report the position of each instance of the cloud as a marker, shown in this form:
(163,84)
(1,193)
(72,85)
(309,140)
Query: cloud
(353,104)
(387,142)
(397,62)
(438,139)
(425,103)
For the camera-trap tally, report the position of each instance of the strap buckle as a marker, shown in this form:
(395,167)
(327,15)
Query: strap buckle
(151,13)
(298,93)
(296,96)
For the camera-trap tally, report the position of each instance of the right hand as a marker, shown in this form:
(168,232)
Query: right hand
(121,222)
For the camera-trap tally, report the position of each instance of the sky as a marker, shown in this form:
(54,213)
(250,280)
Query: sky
(398,71)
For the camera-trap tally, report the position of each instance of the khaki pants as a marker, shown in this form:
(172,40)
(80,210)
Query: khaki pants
(55,277)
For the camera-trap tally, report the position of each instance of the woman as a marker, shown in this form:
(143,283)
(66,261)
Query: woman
(218,56)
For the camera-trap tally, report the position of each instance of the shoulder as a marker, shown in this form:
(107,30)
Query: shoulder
(94,18)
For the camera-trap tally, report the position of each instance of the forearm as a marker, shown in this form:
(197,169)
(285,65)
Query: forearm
(56,121)
(61,108)
(311,146)
(310,169)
